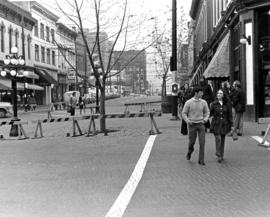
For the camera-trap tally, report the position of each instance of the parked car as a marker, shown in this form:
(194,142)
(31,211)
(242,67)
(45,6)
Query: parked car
(6,108)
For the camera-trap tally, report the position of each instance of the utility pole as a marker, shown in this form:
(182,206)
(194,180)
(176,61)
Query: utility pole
(174,61)
(174,38)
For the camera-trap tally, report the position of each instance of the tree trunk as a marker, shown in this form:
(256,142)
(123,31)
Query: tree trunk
(163,89)
(102,108)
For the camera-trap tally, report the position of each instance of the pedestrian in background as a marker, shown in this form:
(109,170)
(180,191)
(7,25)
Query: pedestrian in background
(227,90)
(186,95)
(221,113)
(239,106)
(81,104)
(72,103)
(207,96)
(196,114)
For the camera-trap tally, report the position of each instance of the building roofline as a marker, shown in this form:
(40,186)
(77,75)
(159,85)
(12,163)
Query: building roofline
(18,10)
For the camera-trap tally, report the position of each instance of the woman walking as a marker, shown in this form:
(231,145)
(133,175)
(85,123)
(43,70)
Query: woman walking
(221,123)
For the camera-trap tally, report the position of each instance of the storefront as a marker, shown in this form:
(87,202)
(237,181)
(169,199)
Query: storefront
(255,60)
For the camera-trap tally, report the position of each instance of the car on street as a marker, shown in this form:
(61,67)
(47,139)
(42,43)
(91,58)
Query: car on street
(6,109)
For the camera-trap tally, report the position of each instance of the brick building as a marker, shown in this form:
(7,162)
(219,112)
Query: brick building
(231,41)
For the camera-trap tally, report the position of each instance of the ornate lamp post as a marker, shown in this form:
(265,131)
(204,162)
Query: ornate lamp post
(14,66)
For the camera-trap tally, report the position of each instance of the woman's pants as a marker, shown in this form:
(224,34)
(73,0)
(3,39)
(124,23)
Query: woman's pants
(220,143)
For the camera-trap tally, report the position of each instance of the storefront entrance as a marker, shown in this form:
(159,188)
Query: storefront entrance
(264,63)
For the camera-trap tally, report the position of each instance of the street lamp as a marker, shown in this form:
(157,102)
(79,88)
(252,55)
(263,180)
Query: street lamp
(14,66)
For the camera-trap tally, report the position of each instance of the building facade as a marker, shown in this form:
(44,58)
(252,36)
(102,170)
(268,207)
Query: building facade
(66,54)
(45,49)
(134,74)
(231,42)
(16,31)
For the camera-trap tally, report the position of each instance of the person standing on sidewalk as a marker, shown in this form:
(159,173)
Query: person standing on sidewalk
(221,123)
(81,104)
(238,103)
(196,114)
(72,103)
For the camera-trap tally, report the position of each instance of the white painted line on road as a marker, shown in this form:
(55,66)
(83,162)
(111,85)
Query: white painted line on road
(259,139)
(121,203)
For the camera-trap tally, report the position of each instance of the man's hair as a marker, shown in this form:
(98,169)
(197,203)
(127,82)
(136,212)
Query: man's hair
(237,83)
(197,89)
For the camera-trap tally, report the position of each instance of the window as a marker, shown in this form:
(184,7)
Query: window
(43,54)
(16,38)
(47,34)
(48,56)
(29,46)
(2,39)
(52,35)
(36,29)
(53,58)
(10,32)
(36,52)
(42,31)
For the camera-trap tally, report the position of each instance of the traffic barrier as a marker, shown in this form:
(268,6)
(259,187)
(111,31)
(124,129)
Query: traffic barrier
(143,105)
(136,115)
(21,131)
(264,142)
(91,130)
(39,133)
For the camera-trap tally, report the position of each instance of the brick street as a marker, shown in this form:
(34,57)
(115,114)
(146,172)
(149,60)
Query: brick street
(82,176)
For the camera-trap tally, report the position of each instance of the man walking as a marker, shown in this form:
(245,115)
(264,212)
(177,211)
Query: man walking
(196,114)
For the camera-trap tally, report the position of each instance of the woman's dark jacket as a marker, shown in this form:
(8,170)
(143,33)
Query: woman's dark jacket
(222,118)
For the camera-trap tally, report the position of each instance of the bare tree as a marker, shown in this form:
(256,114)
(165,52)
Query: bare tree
(102,62)
(162,46)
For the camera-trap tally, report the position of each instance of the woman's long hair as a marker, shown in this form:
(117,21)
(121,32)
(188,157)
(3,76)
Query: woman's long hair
(224,98)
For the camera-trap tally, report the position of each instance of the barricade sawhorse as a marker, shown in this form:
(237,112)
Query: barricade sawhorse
(263,142)
(142,104)
(136,115)
(75,125)
(145,106)
(21,131)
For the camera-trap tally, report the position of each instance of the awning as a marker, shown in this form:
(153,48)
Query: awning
(6,85)
(46,76)
(197,74)
(34,87)
(30,74)
(219,65)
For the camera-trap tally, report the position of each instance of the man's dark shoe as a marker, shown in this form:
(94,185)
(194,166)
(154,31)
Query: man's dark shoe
(188,156)
(239,134)
(220,159)
(201,163)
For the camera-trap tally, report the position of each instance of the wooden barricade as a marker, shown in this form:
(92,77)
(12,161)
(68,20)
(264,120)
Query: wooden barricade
(154,129)
(21,132)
